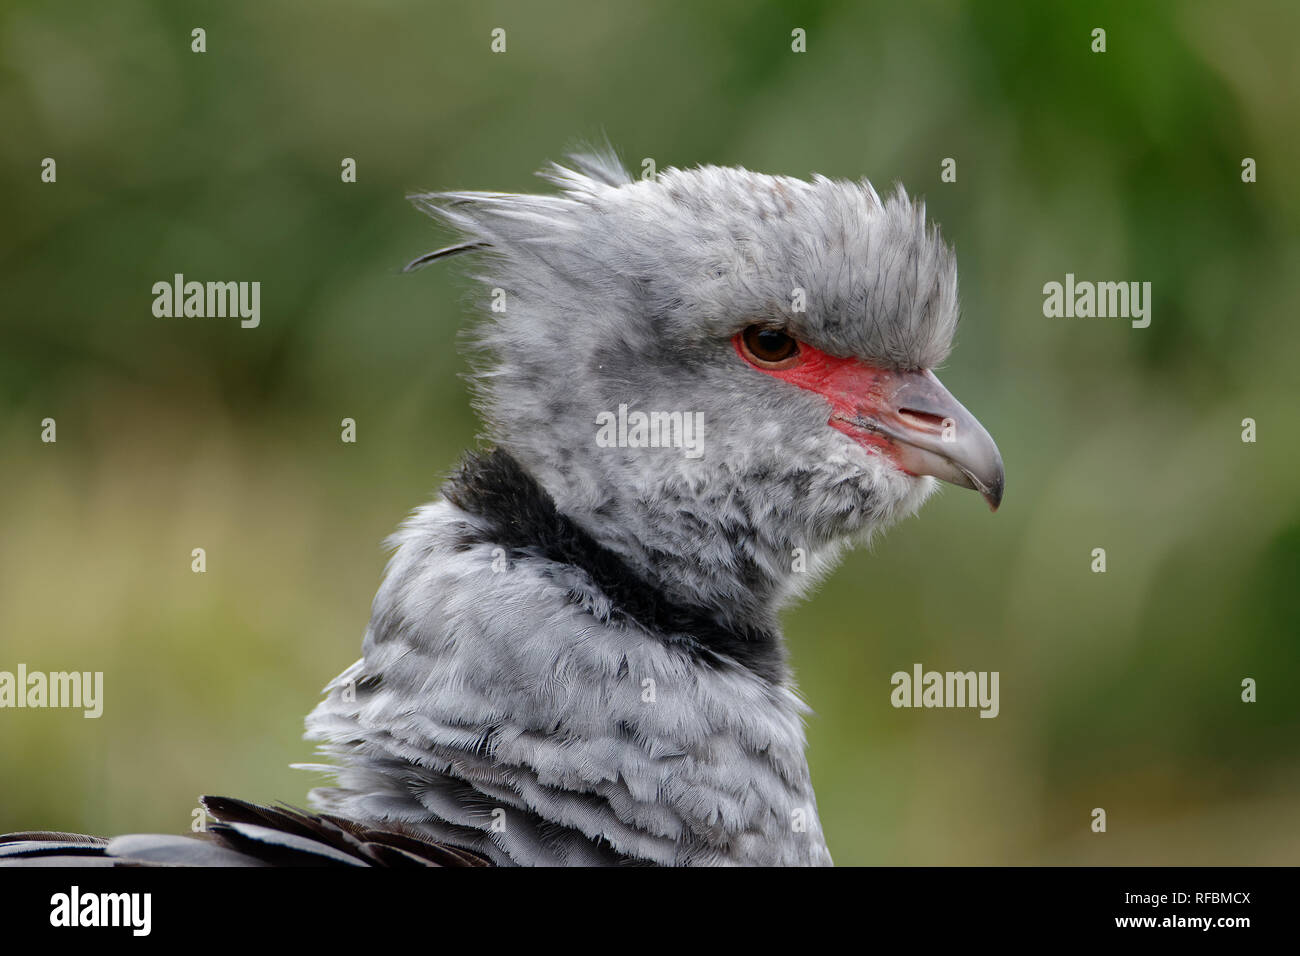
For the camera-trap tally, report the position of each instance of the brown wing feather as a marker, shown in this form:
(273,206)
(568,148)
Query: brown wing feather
(391,845)
(244,834)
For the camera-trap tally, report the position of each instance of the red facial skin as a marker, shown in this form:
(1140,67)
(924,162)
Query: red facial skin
(852,387)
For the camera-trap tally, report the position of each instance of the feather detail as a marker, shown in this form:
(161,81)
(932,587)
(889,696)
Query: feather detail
(430,257)
(244,834)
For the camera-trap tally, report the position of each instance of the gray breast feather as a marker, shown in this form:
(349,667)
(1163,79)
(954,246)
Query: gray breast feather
(495,708)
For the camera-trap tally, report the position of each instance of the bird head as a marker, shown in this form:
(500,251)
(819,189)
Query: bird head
(798,322)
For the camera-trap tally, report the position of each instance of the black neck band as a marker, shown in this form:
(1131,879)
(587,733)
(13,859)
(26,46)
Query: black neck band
(524,520)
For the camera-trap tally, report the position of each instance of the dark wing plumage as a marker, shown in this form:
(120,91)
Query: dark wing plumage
(244,834)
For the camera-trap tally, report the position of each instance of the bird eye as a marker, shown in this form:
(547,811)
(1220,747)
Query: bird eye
(769,348)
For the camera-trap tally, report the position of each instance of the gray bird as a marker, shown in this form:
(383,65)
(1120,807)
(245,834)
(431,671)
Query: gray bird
(700,389)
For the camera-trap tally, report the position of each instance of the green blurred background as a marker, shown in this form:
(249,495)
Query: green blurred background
(1118,690)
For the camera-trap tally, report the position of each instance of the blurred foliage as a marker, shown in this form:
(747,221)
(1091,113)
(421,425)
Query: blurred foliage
(1118,690)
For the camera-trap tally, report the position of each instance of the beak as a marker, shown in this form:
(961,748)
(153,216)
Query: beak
(931,433)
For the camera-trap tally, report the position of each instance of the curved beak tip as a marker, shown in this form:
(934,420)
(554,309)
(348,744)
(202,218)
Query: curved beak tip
(936,435)
(993,493)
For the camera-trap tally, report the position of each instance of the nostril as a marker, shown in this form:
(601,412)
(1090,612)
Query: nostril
(921,421)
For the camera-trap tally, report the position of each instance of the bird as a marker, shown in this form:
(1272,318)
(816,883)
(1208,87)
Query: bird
(575,656)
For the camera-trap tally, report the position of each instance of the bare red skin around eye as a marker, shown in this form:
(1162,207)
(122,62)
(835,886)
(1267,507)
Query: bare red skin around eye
(851,387)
